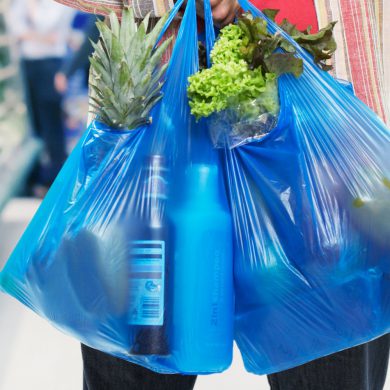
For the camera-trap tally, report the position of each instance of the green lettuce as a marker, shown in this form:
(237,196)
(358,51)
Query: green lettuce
(246,63)
(213,89)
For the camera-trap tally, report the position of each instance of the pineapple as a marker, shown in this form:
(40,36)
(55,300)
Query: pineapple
(126,71)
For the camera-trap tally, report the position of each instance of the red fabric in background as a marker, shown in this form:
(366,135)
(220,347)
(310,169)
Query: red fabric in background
(299,12)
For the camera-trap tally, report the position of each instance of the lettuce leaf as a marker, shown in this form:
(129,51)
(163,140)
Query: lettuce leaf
(321,45)
(281,63)
(212,89)
(246,63)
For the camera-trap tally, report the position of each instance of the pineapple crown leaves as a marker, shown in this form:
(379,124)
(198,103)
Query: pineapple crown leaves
(127,70)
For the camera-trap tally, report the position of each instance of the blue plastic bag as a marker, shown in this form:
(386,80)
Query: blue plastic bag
(131,250)
(310,203)
(311,206)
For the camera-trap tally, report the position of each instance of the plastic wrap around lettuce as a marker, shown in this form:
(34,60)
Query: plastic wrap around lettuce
(239,91)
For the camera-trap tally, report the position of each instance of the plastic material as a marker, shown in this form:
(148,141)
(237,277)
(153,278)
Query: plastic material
(113,258)
(311,209)
(130,250)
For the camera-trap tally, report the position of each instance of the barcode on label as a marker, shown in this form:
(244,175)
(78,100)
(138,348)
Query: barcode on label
(151,308)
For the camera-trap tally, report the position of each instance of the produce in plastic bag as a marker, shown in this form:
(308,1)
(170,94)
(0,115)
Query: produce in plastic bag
(239,91)
(311,209)
(131,250)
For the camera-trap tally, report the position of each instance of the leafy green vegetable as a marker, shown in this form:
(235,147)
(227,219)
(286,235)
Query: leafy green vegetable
(271,13)
(321,45)
(267,102)
(229,46)
(259,48)
(244,72)
(281,63)
(213,89)
(229,81)
(246,62)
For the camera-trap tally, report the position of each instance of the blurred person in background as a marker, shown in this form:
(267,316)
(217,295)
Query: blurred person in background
(72,78)
(80,57)
(41,29)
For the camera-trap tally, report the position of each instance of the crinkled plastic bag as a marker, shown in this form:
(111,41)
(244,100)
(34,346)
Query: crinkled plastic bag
(311,209)
(131,250)
(310,203)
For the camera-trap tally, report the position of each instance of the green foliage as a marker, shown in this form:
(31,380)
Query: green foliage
(229,46)
(246,62)
(127,72)
(321,45)
(213,89)
(260,48)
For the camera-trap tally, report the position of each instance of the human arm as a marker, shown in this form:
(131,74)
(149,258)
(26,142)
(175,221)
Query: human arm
(224,11)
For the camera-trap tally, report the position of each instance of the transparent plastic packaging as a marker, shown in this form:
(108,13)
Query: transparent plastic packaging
(243,123)
(229,129)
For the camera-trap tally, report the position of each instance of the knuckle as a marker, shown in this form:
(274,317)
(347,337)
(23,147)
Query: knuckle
(220,13)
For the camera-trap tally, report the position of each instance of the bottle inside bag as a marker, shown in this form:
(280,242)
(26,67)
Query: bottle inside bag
(149,256)
(202,330)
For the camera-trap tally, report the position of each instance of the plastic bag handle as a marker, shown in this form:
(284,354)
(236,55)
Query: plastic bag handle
(209,25)
(171,16)
(210,33)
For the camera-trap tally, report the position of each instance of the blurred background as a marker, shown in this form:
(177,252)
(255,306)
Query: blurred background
(44,49)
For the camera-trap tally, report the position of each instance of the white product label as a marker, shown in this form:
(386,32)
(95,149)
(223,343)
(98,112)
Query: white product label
(147,276)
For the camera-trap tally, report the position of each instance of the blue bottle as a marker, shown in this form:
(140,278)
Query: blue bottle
(202,326)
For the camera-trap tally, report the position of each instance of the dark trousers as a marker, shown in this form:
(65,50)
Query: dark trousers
(45,113)
(360,368)
(105,372)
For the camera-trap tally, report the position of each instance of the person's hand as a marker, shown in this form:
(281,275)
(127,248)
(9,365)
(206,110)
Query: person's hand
(61,82)
(224,11)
